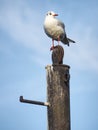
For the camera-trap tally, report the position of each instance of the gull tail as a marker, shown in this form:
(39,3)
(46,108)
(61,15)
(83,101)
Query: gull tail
(67,40)
(71,40)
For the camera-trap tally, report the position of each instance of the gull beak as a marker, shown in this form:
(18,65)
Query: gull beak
(55,14)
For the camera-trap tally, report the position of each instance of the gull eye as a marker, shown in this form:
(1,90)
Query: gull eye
(49,13)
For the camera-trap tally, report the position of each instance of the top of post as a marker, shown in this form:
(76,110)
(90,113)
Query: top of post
(57,57)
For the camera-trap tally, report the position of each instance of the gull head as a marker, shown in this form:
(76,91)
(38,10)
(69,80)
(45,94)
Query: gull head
(51,13)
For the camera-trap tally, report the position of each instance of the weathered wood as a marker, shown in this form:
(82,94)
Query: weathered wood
(57,54)
(58,96)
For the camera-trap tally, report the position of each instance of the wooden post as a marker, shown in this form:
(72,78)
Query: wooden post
(58,96)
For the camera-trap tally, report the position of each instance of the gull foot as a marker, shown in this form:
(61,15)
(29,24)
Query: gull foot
(52,48)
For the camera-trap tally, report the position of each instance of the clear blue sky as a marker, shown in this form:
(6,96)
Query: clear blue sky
(24,53)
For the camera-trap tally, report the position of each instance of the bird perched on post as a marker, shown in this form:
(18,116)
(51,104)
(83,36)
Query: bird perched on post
(55,29)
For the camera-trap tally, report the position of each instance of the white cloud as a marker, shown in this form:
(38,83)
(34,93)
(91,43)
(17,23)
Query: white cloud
(22,26)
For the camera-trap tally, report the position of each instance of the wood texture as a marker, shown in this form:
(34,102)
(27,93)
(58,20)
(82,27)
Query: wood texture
(57,55)
(58,96)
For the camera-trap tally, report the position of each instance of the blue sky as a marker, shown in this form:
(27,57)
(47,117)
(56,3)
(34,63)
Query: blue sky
(24,53)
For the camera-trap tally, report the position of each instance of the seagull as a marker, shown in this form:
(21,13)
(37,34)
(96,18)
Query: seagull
(55,29)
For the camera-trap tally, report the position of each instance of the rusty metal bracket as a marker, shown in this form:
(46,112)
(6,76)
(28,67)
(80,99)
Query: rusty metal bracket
(21,99)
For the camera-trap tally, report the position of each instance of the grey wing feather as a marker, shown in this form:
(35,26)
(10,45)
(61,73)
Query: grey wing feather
(59,23)
(65,40)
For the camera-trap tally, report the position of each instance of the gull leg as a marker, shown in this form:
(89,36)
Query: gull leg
(58,40)
(52,45)
(53,42)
